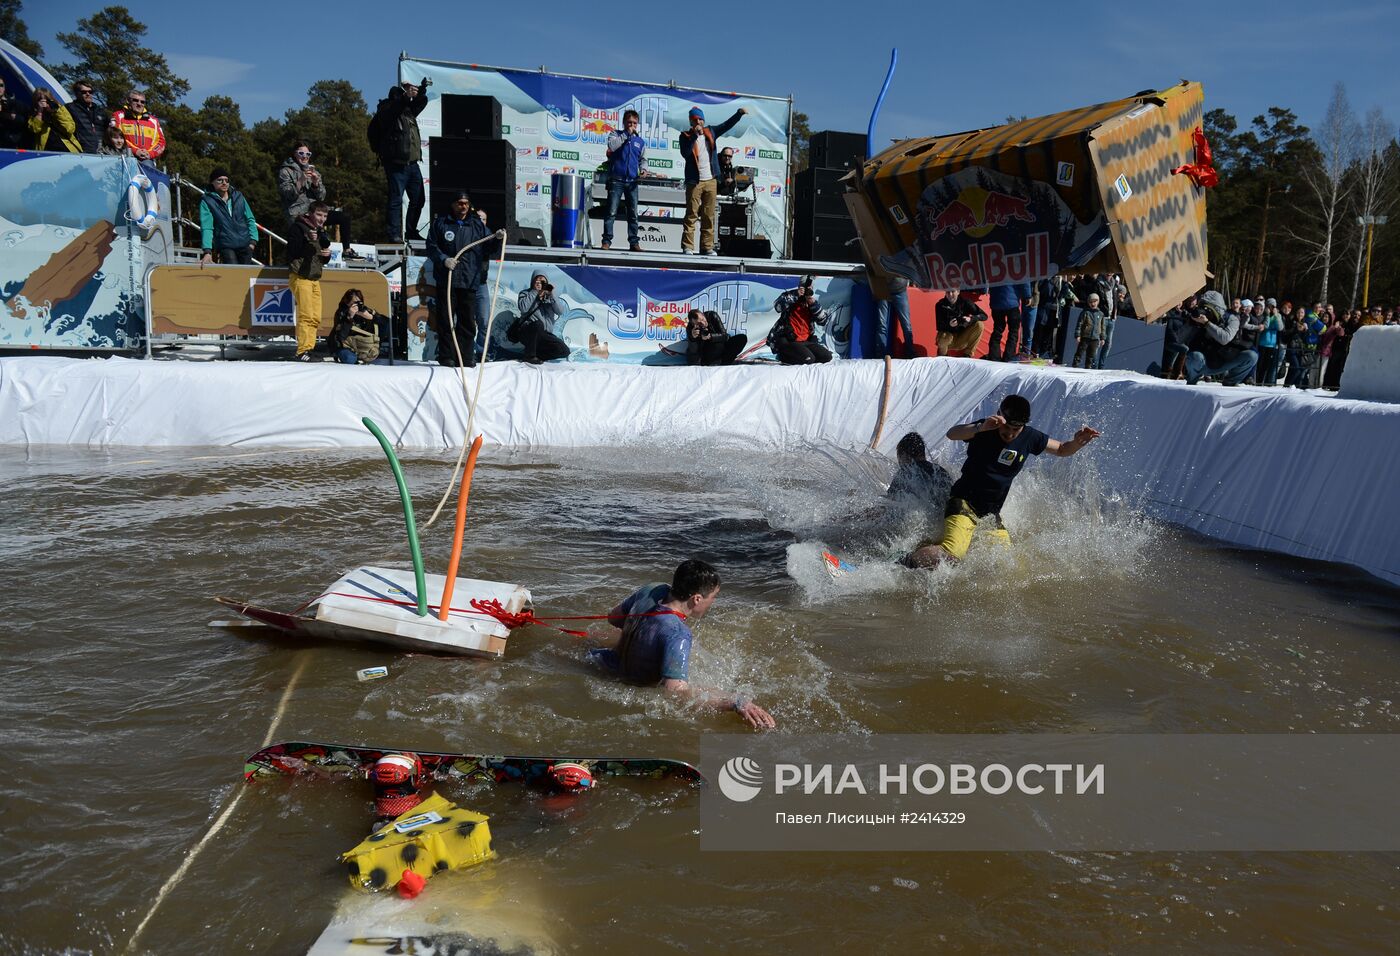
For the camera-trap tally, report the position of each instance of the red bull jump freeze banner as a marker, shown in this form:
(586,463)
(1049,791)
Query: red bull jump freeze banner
(559,123)
(637,316)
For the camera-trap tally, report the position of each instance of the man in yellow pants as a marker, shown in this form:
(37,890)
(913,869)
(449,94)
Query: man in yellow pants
(997,447)
(308,247)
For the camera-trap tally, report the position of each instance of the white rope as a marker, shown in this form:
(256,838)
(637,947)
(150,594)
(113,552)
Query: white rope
(218,824)
(471,399)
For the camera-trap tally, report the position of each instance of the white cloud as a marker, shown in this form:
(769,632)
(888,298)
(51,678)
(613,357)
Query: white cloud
(208,75)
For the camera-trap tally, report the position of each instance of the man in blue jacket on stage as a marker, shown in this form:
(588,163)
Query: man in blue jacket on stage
(627,160)
(701,185)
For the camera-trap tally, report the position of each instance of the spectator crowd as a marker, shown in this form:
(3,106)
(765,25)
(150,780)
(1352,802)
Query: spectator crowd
(1255,340)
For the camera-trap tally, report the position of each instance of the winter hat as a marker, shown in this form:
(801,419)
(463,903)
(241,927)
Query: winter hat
(218,172)
(1271,302)
(1213,302)
(696,111)
(1246,303)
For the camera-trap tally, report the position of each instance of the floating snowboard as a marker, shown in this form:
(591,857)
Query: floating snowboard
(835,566)
(340,760)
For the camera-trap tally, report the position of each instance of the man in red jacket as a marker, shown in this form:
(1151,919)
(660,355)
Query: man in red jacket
(141,129)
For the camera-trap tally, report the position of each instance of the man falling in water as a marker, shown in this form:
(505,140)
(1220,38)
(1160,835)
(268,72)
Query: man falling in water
(997,447)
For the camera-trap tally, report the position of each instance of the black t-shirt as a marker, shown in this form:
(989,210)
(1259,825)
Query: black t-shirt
(992,465)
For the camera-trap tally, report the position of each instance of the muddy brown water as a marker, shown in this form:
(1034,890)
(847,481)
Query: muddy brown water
(126,717)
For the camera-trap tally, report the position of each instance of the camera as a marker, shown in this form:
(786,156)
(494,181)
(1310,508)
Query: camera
(425,84)
(547,287)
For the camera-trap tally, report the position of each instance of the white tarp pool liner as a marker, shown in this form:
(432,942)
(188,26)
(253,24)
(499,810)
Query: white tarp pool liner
(1306,474)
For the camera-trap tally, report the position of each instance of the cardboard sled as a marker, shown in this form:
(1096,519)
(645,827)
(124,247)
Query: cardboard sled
(381,605)
(1088,190)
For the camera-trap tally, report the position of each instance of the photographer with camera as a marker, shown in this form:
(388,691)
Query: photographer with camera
(534,328)
(355,338)
(791,337)
(397,141)
(708,342)
(51,126)
(1218,351)
(958,320)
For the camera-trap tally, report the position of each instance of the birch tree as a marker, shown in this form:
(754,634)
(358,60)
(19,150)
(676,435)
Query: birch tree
(1326,185)
(1374,192)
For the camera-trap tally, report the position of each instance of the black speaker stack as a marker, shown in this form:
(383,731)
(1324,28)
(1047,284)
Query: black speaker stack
(470,155)
(822,228)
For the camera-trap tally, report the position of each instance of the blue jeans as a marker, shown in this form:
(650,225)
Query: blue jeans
(1231,373)
(618,192)
(406,177)
(346,357)
(1028,319)
(1268,364)
(900,303)
(1299,365)
(1105,343)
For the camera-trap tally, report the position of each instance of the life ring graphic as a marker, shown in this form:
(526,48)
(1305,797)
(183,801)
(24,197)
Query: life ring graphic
(142,202)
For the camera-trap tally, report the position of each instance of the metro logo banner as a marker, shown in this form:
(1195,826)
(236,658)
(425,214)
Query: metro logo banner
(567,119)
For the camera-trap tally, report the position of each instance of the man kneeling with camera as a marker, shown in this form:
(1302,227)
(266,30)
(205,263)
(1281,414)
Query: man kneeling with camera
(534,329)
(791,337)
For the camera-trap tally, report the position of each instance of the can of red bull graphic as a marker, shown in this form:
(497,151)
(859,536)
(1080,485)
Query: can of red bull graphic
(568,199)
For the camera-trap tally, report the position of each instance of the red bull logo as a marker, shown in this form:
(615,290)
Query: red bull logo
(977,211)
(664,320)
(667,318)
(595,124)
(990,263)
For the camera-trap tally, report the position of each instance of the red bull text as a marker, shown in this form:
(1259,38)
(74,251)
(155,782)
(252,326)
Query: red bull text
(990,263)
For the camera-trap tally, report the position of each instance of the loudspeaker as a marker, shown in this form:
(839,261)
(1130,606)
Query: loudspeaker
(817,191)
(836,150)
(826,239)
(470,117)
(469,163)
(747,248)
(485,168)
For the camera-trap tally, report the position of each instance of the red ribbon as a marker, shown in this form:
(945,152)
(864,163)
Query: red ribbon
(1202,171)
(512,620)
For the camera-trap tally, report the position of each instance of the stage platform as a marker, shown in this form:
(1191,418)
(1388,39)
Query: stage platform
(390,254)
(1302,473)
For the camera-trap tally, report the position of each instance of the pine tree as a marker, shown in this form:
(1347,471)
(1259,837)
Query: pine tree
(13,30)
(110,54)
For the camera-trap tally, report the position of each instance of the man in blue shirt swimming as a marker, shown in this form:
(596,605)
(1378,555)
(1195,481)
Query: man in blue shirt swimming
(655,644)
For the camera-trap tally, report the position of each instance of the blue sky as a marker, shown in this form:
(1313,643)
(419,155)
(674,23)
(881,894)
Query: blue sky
(959,67)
